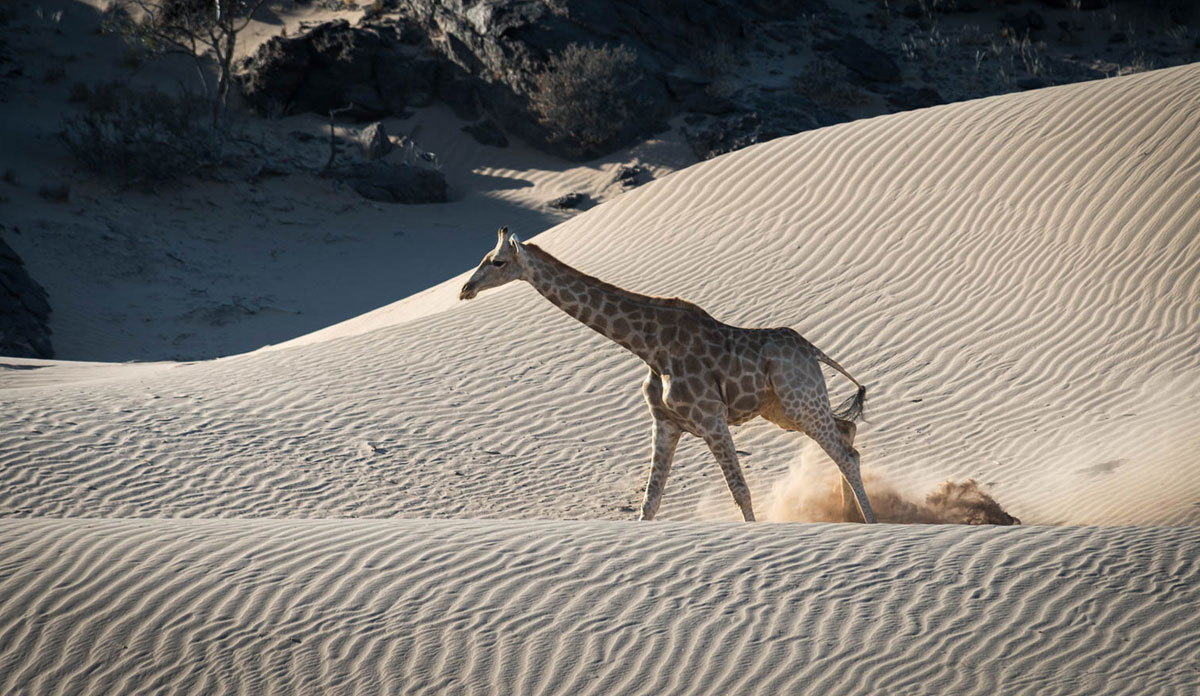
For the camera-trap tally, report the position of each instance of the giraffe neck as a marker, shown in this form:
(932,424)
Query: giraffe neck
(633,321)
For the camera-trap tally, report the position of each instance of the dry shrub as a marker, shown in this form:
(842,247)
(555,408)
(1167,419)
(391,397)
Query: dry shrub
(583,95)
(142,137)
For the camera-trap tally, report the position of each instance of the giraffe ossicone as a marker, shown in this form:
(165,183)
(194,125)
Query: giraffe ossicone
(704,375)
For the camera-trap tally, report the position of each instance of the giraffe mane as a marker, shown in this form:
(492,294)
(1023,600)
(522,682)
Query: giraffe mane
(652,300)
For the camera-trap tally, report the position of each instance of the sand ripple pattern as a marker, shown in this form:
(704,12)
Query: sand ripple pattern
(1016,278)
(415,607)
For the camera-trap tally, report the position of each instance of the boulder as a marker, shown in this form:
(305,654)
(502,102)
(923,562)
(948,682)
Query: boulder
(630,176)
(332,66)
(24,310)
(375,142)
(390,183)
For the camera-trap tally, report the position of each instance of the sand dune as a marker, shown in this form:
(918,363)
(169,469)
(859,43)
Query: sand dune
(1015,278)
(288,606)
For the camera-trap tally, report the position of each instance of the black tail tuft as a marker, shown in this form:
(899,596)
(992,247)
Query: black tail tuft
(852,409)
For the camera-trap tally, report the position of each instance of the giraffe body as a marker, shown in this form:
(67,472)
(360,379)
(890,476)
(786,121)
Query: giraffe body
(704,375)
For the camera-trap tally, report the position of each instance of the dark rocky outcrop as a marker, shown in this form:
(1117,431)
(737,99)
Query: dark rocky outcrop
(395,183)
(377,68)
(485,59)
(481,58)
(24,310)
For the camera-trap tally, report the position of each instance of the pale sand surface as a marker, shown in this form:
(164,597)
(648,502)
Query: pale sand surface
(469,606)
(1017,279)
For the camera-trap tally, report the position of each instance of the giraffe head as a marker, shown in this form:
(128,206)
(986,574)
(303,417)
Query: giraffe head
(501,265)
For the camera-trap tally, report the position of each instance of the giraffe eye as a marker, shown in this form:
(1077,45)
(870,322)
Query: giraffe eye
(497,263)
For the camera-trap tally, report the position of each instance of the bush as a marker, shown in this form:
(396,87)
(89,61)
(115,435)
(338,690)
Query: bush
(582,97)
(142,137)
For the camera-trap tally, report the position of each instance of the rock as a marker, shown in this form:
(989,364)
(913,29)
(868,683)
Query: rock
(631,176)
(332,66)
(568,201)
(24,310)
(364,103)
(864,59)
(1118,37)
(482,59)
(375,142)
(1031,83)
(407,82)
(459,91)
(387,183)
(503,44)
(487,132)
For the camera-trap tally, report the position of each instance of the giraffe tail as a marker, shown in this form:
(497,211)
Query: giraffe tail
(852,408)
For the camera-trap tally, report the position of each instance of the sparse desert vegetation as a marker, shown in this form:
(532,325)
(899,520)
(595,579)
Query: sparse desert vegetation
(583,96)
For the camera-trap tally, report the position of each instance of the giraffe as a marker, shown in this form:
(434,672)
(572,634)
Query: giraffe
(704,375)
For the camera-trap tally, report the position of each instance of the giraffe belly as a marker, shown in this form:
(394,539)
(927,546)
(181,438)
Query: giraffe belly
(745,399)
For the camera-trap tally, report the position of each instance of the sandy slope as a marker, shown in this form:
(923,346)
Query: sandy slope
(333,607)
(1017,279)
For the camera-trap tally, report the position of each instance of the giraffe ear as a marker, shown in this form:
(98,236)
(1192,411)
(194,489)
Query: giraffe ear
(502,233)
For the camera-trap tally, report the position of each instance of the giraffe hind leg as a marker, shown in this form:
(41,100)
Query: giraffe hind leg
(850,512)
(804,405)
(846,459)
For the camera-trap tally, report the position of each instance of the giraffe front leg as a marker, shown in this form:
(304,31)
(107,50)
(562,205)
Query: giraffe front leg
(720,443)
(666,437)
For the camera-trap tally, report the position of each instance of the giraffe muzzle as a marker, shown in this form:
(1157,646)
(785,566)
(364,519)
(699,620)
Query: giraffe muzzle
(468,292)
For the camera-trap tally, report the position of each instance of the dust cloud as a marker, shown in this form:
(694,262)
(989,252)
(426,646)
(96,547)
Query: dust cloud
(812,492)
